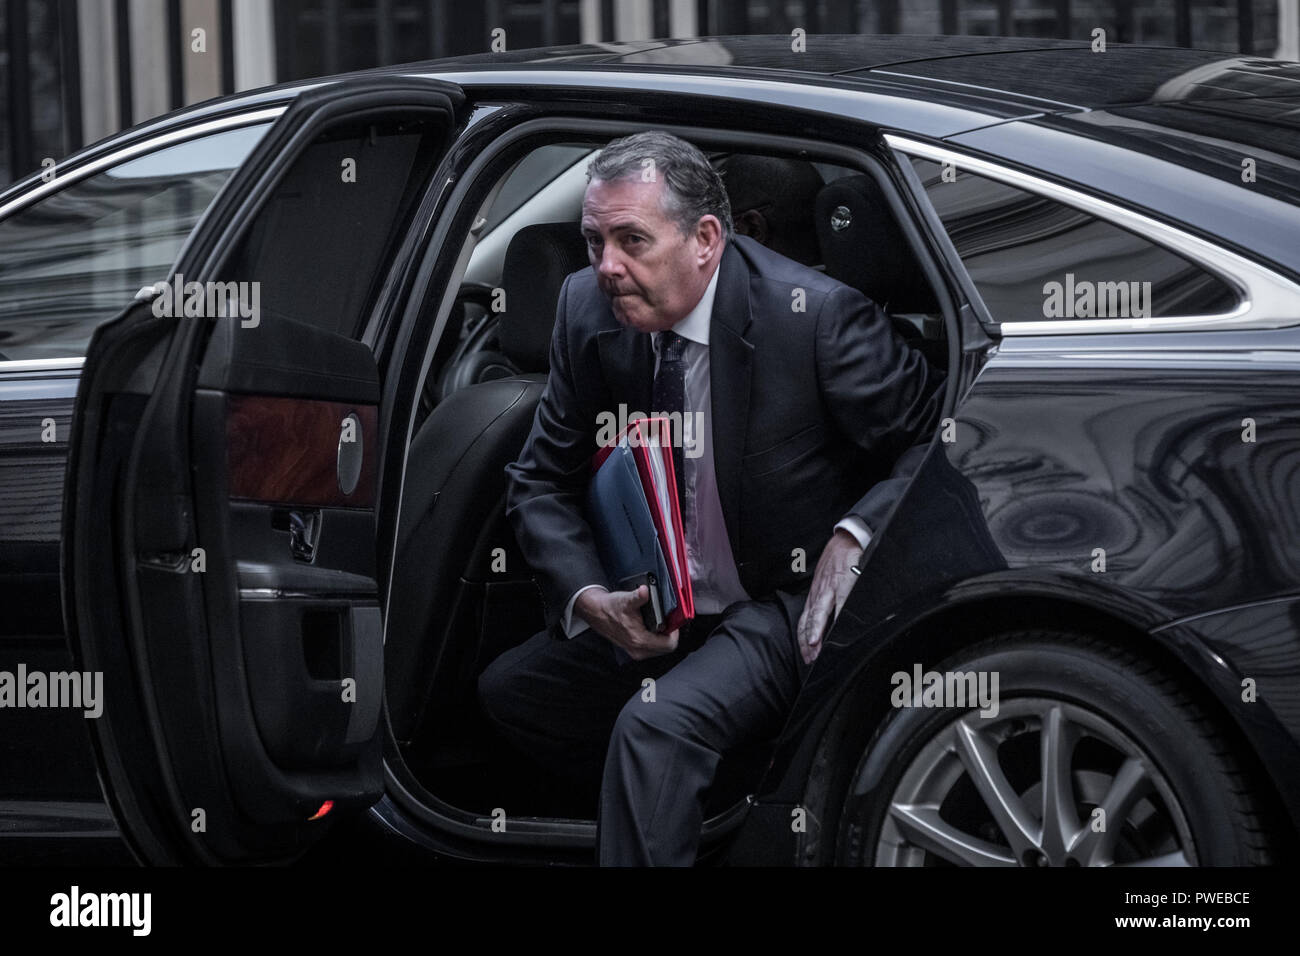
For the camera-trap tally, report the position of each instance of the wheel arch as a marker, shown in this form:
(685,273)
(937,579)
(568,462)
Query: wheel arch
(965,622)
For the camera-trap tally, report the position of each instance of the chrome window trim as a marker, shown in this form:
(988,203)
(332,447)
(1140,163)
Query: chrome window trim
(154,143)
(43,365)
(1267,299)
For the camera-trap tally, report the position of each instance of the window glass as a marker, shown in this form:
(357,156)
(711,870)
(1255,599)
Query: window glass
(534,173)
(319,244)
(1032,258)
(76,257)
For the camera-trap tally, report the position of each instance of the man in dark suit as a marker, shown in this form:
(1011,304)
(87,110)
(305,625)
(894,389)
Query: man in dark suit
(802,395)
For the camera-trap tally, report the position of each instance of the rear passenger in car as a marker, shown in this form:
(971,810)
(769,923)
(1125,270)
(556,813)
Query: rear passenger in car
(772,200)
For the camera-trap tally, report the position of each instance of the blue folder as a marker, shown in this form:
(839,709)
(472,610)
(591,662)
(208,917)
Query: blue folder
(625,535)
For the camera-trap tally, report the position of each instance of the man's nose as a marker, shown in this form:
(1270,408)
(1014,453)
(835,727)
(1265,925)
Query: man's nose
(611,263)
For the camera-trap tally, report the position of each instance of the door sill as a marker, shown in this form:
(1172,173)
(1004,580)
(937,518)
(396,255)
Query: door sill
(430,821)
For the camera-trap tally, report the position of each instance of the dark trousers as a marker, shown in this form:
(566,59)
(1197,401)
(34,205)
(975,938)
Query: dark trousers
(653,731)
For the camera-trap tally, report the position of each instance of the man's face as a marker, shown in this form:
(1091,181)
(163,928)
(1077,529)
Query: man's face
(651,273)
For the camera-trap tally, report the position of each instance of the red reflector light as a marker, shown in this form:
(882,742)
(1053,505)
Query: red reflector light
(325,808)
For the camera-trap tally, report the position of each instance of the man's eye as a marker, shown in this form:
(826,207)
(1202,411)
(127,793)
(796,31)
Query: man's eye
(633,239)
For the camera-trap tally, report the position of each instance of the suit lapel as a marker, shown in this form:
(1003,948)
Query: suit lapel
(627,361)
(730,364)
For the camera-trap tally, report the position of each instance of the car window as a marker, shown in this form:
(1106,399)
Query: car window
(1032,258)
(77,256)
(534,173)
(318,244)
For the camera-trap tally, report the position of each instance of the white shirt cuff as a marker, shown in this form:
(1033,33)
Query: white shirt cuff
(575,626)
(856,527)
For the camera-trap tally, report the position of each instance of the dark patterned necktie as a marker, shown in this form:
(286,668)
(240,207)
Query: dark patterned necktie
(668,396)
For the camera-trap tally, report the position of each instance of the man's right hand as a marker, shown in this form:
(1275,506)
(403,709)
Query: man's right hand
(616,615)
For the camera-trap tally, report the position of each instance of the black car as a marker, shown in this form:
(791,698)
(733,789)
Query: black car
(263,362)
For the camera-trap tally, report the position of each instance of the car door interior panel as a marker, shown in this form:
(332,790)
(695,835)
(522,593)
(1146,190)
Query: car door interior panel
(301,547)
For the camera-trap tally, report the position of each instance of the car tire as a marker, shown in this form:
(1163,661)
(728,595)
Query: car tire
(946,786)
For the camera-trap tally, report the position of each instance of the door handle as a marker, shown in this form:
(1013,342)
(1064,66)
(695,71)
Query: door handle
(304,532)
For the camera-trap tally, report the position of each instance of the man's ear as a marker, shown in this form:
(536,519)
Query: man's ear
(751,223)
(708,236)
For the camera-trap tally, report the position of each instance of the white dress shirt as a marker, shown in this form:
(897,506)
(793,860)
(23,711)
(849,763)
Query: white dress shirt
(715,582)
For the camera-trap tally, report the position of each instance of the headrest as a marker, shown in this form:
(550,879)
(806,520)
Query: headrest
(537,260)
(863,246)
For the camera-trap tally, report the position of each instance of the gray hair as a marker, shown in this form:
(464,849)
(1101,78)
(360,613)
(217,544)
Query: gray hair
(692,187)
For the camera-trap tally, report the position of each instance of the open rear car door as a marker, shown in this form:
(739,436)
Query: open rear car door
(218,554)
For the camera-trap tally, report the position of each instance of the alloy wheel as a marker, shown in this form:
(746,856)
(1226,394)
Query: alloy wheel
(1045,782)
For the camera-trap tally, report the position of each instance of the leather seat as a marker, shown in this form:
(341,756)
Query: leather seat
(457,571)
(537,260)
(864,247)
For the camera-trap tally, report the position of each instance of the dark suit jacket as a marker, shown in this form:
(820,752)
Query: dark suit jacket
(810,409)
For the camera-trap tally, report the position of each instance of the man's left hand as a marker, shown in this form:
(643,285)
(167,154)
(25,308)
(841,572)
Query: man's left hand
(832,581)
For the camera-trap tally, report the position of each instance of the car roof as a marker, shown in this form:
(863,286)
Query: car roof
(1006,97)
(824,54)
(1063,72)
(997,76)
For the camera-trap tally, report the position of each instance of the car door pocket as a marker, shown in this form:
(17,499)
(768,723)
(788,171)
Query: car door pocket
(315,676)
(322,643)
